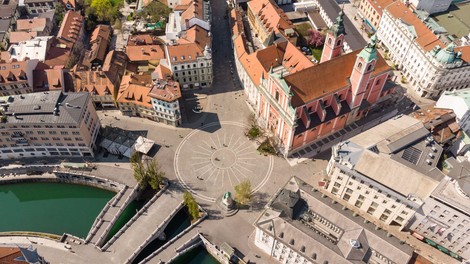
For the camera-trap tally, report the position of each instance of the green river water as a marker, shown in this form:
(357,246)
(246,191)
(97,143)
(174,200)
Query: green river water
(54,208)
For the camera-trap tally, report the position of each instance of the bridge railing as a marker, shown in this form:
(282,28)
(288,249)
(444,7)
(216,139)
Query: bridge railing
(134,218)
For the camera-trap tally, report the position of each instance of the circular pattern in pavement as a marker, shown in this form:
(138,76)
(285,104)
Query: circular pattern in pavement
(214,158)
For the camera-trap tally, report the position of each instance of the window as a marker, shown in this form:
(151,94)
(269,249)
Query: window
(369,68)
(339,42)
(359,65)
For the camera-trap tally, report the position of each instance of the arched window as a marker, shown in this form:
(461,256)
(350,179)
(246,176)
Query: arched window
(329,41)
(277,96)
(359,66)
(338,43)
(369,68)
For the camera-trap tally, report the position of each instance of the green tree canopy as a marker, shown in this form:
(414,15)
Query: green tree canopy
(155,11)
(191,204)
(243,192)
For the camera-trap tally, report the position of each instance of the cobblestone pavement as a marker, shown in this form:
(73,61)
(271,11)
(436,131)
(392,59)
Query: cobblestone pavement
(211,163)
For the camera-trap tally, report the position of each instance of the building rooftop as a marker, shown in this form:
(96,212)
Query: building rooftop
(99,41)
(36,48)
(455,20)
(455,189)
(440,122)
(48,80)
(17,71)
(322,231)
(70,28)
(8,8)
(35,24)
(396,151)
(135,89)
(311,83)
(45,107)
(272,17)
(20,36)
(166,90)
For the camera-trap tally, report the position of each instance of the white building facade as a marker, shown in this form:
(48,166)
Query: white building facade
(428,66)
(459,102)
(432,6)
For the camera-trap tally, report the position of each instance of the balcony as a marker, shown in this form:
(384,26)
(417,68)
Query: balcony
(22,142)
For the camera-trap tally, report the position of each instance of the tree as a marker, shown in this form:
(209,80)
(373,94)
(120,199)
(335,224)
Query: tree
(148,173)
(59,13)
(191,204)
(154,175)
(102,9)
(243,192)
(315,38)
(155,11)
(118,24)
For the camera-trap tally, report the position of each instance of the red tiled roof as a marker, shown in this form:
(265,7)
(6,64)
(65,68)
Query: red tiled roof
(70,27)
(326,77)
(48,80)
(36,24)
(425,38)
(166,90)
(145,52)
(19,36)
(272,17)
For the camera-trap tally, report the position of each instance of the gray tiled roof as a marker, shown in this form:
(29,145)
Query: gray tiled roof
(339,223)
(353,36)
(40,107)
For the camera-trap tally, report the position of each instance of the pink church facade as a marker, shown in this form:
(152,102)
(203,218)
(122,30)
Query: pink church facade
(303,107)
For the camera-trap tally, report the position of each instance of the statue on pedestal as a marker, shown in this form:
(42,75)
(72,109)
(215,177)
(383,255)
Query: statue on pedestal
(227,200)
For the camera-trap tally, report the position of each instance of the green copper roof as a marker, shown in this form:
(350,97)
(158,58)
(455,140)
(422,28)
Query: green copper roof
(369,53)
(338,27)
(447,55)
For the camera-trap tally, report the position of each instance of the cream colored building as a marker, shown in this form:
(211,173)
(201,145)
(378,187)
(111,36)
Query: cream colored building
(300,225)
(387,171)
(428,64)
(48,124)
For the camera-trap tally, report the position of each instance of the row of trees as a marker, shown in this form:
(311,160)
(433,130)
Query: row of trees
(147,172)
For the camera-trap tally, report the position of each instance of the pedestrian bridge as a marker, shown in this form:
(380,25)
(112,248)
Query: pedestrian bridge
(147,225)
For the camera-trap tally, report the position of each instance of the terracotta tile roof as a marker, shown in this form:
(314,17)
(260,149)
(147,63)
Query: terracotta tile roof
(166,90)
(70,27)
(379,5)
(19,36)
(99,41)
(284,53)
(237,27)
(197,35)
(184,52)
(48,80)
(36,24)
(195,9)
(145,53)
(135,89)
(465,53)
(17,71)
(10,255)
(272,17)
(440,122)
(115,63)
(162,72)
(425,38)
(57,55)
(326,77)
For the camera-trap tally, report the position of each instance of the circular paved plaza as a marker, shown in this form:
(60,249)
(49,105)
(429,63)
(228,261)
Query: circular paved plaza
(213,159)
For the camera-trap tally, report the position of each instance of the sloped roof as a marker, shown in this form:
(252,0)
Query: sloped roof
(135,89)
(36,24)
(70,27)
(166,90)
(145,52)
(326,77)
(20,36)
(48,80)
(272,17)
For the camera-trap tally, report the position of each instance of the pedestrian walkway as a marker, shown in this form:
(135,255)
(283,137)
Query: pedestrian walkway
(146,227)
(109,215)
(175,248)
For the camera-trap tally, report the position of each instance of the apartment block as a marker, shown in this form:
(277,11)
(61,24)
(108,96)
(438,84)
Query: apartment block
(444,219)
(430,65)
(147,97)
(48,124)
(387,171)
(300,225)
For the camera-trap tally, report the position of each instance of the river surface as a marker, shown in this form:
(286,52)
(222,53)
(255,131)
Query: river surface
(54,208)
